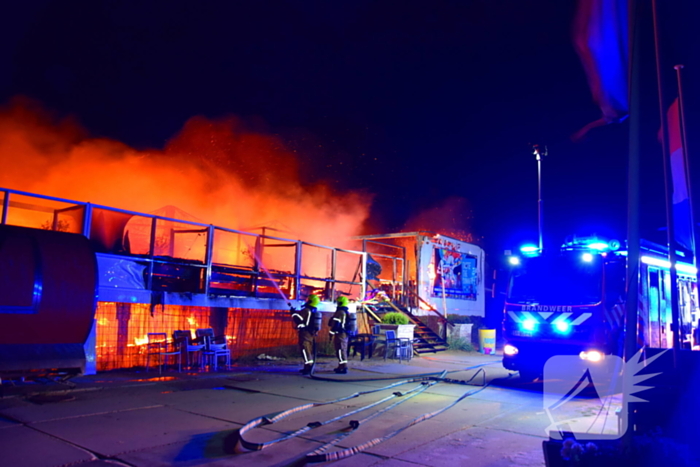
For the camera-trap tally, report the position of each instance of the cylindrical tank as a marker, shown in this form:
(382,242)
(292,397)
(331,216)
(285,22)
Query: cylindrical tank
(48,293)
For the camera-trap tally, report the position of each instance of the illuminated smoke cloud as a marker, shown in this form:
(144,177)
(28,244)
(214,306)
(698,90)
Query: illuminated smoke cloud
(216,170)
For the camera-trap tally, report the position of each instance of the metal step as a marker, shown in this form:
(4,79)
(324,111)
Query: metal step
(425,339)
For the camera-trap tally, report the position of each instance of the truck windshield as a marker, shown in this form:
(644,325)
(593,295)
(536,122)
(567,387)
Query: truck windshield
(562,280)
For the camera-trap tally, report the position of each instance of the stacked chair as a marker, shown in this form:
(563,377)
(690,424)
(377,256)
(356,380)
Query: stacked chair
(192,352)
(159,348)
(214,349)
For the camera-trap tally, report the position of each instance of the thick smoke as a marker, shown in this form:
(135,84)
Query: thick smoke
(216,170)
(452,217)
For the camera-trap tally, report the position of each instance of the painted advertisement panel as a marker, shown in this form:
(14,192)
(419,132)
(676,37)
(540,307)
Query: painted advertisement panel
(451,275)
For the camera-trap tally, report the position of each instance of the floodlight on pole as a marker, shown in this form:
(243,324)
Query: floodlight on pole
(539,153)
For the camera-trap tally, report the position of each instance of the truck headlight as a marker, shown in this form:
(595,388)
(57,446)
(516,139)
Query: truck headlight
(592,356)
(510,350)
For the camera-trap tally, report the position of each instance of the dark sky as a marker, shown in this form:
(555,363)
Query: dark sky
(415,101)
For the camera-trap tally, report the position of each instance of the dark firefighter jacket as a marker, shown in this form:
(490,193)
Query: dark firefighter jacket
(302,318)
(337,322)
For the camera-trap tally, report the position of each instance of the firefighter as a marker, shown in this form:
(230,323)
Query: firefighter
(307,328)
(339,328)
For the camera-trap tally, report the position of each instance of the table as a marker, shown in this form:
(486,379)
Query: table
(364,343)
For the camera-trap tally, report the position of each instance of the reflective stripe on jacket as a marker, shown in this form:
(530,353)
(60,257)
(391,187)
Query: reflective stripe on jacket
(302,318)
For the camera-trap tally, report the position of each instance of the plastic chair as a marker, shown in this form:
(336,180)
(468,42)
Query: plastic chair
(187,347)
(379,337)
(213,350)
(158,346)
(397,347)
(405,349)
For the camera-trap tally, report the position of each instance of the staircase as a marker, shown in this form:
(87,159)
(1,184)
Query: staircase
(425,340)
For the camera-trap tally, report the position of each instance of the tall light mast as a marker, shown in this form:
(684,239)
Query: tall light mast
(539,153)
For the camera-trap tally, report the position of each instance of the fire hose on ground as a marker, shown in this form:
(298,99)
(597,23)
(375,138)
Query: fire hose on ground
(319,455)
(420,375)
(274,418)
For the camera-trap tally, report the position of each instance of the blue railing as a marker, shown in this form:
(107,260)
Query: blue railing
(162,253)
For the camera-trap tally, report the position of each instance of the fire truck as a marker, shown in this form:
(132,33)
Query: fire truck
(572,302)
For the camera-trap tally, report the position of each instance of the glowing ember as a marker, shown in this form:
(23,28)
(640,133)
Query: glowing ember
(159,378)
(141,340)
(431,272)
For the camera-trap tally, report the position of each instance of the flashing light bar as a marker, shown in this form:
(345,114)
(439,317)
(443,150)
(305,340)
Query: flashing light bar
(530,250)
(592,243)
(562,327)
(662,263)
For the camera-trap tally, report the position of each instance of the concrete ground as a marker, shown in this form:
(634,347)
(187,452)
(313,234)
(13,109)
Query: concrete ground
(192,419)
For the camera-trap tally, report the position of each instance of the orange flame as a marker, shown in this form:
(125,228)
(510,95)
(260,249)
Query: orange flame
(141,340)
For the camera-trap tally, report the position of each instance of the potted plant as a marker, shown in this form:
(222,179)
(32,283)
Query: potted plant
(461,328)
(399,322)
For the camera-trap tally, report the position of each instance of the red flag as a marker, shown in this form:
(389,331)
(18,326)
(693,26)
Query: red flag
(682,215)
(600,36)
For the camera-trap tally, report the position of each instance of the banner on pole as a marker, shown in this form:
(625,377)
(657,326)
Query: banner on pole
(682,215)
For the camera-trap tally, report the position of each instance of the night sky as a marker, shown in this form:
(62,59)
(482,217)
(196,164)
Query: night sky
(416,102)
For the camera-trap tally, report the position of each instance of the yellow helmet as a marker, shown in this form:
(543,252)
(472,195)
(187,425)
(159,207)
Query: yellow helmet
(313,300)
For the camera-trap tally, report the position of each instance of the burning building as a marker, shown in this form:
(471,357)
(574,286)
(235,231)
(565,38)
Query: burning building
(160,268)
(161,274)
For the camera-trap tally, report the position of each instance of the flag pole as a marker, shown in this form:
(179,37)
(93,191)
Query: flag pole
(668,185)
(633,202)
(633,197)
(684,143)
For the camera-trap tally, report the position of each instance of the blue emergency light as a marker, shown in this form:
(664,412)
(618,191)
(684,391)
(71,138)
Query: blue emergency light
(529,324)
(600,246)
(593,244)
(530,250)
(562,327)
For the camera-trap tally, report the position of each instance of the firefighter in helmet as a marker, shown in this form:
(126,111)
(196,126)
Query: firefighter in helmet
(307,329)
(338,325)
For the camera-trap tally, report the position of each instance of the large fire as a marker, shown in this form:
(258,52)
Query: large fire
(215,170)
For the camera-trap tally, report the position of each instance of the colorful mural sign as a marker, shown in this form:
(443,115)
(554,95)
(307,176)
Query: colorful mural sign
(456,272)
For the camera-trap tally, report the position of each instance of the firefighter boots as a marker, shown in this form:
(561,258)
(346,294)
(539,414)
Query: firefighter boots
(306,370)
(342,369)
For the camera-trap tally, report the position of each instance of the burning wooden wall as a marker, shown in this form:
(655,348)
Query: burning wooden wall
(122,330)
